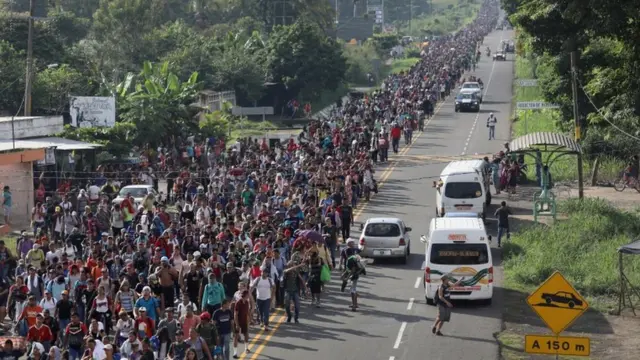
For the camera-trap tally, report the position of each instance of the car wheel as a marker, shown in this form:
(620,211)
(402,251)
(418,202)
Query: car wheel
(405,259)
(487,302)
(429,301)
(572,304)
(547,300)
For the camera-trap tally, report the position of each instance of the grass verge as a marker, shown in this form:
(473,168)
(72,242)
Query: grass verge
(530,121)
(583,247)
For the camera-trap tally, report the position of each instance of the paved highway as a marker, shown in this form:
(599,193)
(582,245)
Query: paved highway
(393,321)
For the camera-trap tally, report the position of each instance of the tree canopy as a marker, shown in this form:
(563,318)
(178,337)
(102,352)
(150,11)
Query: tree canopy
(605,34)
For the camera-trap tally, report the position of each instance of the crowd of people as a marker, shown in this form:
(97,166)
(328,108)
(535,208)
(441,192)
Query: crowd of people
(245,228)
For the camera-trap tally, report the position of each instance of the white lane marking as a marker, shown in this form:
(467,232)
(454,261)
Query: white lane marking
(399,338)
(392,358)
(417,285)
(410,303)
(486,90)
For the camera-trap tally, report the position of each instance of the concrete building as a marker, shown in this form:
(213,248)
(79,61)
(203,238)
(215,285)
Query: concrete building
(16,171)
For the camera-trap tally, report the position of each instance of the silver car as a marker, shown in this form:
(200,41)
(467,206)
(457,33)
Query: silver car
(385,238)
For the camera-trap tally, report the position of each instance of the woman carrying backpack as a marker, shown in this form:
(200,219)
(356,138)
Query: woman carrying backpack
(442,300)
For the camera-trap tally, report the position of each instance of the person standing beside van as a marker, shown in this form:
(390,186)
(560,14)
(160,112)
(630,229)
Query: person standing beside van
(502,214)
(442,301)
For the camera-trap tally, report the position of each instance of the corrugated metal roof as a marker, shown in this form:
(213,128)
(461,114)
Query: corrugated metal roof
(526,142)
(47,142)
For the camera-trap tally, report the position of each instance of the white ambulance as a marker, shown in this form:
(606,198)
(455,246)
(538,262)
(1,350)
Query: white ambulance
(459,248)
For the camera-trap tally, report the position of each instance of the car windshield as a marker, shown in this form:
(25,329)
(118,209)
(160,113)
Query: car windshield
(470,86)
(465,96)
(459,254)
(382,230)
(135,192)
(463,190)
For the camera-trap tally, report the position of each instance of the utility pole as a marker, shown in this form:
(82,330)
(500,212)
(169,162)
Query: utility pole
(29,79)
(576,116)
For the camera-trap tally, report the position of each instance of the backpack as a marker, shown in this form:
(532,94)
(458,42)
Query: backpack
(436,296)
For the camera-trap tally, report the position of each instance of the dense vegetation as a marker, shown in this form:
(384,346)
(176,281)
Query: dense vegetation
(155,56)
(605,35)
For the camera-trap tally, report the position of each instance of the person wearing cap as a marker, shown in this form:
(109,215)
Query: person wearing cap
(168,276)
(62,312)
(178,349)
(170,323)
(48,302)
(443,302)
(124,326)
(144,325)
(150,304)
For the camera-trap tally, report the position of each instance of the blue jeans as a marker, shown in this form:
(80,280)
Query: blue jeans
(62,323)
(295,297)
(75,354)
(501,231)
(264,306)
(333,246)
(225,343)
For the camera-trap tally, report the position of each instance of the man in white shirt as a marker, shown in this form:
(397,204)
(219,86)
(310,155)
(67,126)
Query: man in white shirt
(264,286)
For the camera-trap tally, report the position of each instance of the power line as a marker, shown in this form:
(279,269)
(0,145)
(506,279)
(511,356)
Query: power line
(604,117)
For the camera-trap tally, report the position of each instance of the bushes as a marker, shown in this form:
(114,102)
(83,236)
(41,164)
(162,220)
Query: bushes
(583,248)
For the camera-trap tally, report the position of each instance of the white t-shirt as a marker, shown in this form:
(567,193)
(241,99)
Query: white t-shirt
(94,192)
(263,288)
(182,308)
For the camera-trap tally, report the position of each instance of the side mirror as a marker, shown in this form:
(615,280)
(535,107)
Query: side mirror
(423,239)
(407,229)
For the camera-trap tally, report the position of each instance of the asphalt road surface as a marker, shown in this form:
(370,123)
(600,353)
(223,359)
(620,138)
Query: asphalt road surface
(393,321)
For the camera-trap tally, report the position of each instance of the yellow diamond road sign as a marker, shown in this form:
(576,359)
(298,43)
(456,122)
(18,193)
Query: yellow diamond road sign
(557,303)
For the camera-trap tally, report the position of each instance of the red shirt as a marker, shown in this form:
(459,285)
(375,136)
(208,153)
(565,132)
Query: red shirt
(148,326)
(396,132)
(41,334)
(29,313)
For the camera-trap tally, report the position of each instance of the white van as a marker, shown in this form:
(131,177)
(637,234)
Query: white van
(458,247)
(463,187)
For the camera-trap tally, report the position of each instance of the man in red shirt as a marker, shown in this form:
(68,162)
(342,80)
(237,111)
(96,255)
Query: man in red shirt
(40,332)
(396,133)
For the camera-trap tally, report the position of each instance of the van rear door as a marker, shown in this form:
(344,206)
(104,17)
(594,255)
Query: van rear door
(469,262)
(463,196)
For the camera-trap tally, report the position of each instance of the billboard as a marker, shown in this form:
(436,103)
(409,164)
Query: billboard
(92,111)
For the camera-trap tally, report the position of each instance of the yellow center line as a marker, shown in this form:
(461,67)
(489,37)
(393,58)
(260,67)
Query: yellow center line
(253,341)
(385,175)
(266,339)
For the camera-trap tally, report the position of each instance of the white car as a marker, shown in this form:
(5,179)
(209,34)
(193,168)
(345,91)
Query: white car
(385,238)
(139,192)
(473,86)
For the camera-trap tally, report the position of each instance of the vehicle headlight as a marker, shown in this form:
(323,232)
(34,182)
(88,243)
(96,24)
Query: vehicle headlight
(457,102)
(475,103)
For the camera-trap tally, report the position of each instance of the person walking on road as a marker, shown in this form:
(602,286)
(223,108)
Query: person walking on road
(491,124)
(502,214)
(442,300)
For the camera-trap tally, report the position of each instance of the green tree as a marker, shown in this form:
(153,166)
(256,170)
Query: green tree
(303,58)
(12,77)
(239,65)
(116,140)
(158,103)
(52,88)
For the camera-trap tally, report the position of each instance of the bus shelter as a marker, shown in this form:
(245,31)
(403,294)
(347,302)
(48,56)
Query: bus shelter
(545,148)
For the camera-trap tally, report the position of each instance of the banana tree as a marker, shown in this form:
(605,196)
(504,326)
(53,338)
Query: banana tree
(158,103)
